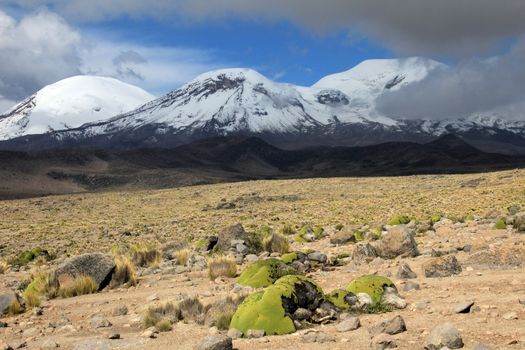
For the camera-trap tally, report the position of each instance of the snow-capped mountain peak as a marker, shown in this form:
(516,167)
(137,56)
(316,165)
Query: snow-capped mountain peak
(70,103)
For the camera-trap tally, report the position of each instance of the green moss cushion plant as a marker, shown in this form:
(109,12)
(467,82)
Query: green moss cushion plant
(372,285)
(270,309)
(501,224)
(263,273)
(289,258)
(342,299)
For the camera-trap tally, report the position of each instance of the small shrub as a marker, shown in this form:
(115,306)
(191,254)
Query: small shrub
(26,257)
(399,220)
(378,308)
(276,243)
(182,256)
(223,320)
(124,273)
(222,267)
(157,313)
(191,309)
(31,298)
(40,285)
(164,326)
(288,230)
(339,227)
(144,256)
(469,217)
(15,308)
(501,224)
(82,285)
(3,266)
(435,218)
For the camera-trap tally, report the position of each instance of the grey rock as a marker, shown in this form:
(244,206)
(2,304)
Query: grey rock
(318,337)
(391,298)
(392,326)
(255,333)
(411,286)
(364,252)
(38,311)
(114,336)
(397,241)
(251,258)
(463,308)
(318,256)
(405,272)
(302,314)
(445,266)
(346,235)
(348,324)
(444,335)
(98,266)
(99,322)
(481,346)
(383,341)
(49,344)
(234,333)
(216,342)
(7,299)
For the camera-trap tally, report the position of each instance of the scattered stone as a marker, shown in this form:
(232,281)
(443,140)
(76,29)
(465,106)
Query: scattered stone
(397,241)
(255,333)
(364,252)
(216,342)
(392,326)
(348,324)
(7,299)
(463,308)
(120,310)
(481,346)
(510,316)
(392,298)
(114,336)
(98,266)
(318,256)
(444,335)
(234,333)
(318,337)
(411,286)
(251,258)
(302,314)
(99,322)
(383,341)
(150,333)
(405,272)
(442,267)
(346,235)
(153,297)
(49,344)
(521,301)
(38,311)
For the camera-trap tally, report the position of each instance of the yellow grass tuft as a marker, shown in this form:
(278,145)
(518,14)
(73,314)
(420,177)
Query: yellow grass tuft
(222,267)
(82,285)
(125,273)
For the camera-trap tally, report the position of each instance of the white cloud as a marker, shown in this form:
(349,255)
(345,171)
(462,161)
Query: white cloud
(43,48)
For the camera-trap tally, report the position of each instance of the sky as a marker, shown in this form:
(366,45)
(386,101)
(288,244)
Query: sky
(161,44)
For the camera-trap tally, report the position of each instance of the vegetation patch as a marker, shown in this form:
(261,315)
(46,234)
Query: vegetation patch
(501,224)
(124,274)
(82,285)
(276,243)
(145,256)
(263,273)
(399,220)
(372,285)
(222,267)
(341,298)
(157,315)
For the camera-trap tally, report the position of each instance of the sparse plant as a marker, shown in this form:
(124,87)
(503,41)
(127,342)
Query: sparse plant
(191,309)
(41,285)
(3,266)
(399,220)
(223,320)
(276,243)
(339,227)
(182,256)
(82,285)
(501,224)
(154,314)
(222,267)
(145,256)
(288,230)
(379,308)
(15,308)
(124,274)
(31,298)
(164,326)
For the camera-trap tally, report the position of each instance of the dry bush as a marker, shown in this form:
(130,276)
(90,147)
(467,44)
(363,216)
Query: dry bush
(145,256)
(41,284)
(124,273)
(182,256)
(164,326)
(222,267)
(155,314)
(15,308)
(31,298)
(191,309)
(219,313)
(276,243)
(82,285)
(3,266)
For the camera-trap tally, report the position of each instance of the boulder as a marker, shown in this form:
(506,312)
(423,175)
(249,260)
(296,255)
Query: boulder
(215,342)
(391,326)
(444,335)
(405,272)
(263,273)
(98,266)
(346,235)
(397,241)
(364,252)
(444,266)
(270,309)
(7,300)
(350,324)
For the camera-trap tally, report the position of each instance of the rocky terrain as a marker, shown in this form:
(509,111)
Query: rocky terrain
(419,262)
